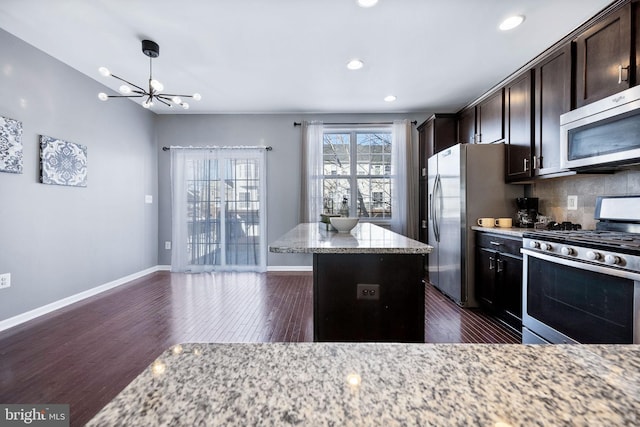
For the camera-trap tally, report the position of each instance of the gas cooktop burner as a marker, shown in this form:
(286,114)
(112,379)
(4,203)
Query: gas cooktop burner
(566,225)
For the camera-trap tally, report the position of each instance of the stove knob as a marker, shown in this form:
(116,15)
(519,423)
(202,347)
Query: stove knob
(594,256)
(612,259)
(567,251)
(546,246)
(534,245)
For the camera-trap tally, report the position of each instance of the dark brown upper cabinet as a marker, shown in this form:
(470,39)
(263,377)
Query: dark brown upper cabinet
(519,127)
(603,58)
(490,118)
(467,125)
(552,98)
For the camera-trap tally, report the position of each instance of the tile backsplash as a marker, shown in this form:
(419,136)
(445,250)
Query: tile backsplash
(553,194)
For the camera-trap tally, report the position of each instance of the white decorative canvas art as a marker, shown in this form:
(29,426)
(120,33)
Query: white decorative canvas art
(62,162)
(10,145)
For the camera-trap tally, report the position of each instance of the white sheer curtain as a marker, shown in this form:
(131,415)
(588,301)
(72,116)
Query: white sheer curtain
(312,173)
(404,190)
(218,202)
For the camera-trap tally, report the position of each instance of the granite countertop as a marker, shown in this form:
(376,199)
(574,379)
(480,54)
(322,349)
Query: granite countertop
(364,238)
(362,384)
(511,231)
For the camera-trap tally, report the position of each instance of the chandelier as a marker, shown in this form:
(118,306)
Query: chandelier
(149,96)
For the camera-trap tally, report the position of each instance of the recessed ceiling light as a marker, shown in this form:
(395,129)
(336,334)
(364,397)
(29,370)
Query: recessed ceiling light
(390,98)
(511,22)
(355,64)
(367,3)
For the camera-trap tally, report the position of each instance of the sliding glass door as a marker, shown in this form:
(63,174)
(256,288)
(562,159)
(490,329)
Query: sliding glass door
(219,209)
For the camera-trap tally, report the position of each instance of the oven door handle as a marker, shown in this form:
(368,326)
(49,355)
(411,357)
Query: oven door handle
(625,274)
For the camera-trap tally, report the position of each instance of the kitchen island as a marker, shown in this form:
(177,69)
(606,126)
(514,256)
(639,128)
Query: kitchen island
(365,384)
(367,284)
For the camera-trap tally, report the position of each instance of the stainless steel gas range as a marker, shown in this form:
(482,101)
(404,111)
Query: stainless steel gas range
(583,286)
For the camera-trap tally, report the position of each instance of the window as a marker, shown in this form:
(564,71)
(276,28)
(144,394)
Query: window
(357,172)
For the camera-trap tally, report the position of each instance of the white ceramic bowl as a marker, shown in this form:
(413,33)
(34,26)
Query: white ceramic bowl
(344,224)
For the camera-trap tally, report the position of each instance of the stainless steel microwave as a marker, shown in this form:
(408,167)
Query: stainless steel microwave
(602,134)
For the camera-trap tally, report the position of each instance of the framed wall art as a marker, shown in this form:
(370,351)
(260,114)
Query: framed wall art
(10,145)
(62,162)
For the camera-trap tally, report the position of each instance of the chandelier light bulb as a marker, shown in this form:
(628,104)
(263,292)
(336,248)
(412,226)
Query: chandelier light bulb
(156,85)
(147,104)
(103,96)
(197,96)
(177,100)
(185,105)
(125,89)
(104,71)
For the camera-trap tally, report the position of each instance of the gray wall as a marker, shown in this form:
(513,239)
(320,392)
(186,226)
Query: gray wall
(283,163)
(58,241)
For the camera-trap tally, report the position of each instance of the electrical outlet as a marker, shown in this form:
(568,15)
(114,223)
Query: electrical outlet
(167,245)
(5,280)
(367,291)
(572,203)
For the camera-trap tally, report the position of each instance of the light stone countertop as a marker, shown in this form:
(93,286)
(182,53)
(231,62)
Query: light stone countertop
(364,238)
(512,231)
(383,384)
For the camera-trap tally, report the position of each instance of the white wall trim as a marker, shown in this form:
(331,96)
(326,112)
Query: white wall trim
(45,309)
(292,268)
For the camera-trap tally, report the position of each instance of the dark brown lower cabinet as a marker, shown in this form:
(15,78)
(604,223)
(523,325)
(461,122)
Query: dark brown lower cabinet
(368,297)
(498,278)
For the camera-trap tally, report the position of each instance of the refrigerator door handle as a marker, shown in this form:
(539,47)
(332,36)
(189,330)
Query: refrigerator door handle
(437,203)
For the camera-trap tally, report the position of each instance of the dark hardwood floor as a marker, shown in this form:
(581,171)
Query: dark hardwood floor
(86,353)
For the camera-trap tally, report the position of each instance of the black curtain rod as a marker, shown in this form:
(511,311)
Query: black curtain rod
(269,148)
(415,122)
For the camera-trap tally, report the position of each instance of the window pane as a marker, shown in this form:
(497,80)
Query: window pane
(374,153)
(333,192)
(374,197)
(336,159)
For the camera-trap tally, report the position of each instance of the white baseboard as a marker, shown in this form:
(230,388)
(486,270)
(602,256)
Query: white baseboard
(37,312)
(290,268)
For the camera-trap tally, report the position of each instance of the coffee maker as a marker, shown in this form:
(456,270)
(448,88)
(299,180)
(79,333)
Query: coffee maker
(527,211)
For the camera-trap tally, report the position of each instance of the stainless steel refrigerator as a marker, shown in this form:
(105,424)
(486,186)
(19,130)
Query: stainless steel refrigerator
(465,182)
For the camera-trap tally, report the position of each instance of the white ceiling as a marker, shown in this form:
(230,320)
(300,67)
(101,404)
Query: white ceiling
(289,56)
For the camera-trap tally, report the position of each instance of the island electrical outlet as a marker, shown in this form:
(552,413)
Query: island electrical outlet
(368,291)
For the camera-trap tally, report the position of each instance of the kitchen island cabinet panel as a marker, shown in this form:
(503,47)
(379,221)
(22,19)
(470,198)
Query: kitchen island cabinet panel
(367,284)
(365,297)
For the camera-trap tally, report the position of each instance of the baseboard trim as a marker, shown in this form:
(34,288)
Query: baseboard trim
(45,309)
(289,268)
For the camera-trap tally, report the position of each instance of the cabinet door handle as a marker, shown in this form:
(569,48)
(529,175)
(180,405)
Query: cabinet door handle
(424,223)
(424,171)
(620,68)
(492,263)
(525,164)
(495,243)
(499,269)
